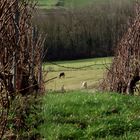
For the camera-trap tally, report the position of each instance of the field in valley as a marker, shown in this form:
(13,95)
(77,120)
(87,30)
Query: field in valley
(76,71)
(71,3)
(66,3)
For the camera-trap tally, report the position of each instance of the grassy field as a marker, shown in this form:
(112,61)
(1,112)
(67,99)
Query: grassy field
(47,2)
(67,3)
(74,77)
(71,3)
(90,116)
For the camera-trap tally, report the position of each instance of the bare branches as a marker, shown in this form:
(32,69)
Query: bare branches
(125,70)
(18,43)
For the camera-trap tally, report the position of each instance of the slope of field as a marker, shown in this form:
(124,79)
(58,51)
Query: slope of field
(73,3)
(76,71)
(66,3)
(88,116)
(47,2)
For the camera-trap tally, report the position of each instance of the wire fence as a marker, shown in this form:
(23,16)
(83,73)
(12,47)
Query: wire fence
(67,67)
(79,68)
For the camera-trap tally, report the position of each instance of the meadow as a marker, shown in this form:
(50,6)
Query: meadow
(67,3)
(85,114)
(76,113)
(90,116)
(47,4)
(76,71)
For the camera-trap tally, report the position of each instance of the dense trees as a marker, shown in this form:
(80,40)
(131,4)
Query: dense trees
(92,31)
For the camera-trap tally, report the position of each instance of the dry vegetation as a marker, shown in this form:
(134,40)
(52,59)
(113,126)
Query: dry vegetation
(20,59)
(124,74)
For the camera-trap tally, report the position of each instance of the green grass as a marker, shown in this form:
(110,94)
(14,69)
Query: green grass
(74,77)
(67,3)
(89,116)
(45,4)
(80,63)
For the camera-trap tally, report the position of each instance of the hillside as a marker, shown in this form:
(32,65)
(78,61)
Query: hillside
(86,30)
(67,3)
(74,3)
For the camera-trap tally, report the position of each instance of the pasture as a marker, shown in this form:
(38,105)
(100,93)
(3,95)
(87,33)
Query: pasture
(66,3)
(76,71)
(88,116)
(47,4)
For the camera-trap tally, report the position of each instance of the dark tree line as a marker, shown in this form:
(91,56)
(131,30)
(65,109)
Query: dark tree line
(92,31)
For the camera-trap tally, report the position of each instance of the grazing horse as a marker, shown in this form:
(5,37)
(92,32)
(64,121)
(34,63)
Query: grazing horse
(62,74)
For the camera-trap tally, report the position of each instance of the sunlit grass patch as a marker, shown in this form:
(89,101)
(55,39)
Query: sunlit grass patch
(92,72)
(81,115)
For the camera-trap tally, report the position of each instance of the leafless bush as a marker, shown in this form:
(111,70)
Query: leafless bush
(124,73)
(21,54)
